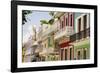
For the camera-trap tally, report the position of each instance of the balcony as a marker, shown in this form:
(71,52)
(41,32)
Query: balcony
(66,31)
(50,29)
(80,35)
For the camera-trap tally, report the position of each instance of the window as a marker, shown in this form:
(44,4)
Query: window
(79,28)
(70,53)
(79,55)
(65,54)
(49,41)
(71,20)
(85,24)
(79,24)
(84,54)
(45,45)
(66,21)
(85,21)
(62,24)
(62,54)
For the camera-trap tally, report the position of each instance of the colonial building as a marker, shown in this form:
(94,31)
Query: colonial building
(48,42)
(67,38)
(27,50)
(45,40)
(81,38)
(65,28)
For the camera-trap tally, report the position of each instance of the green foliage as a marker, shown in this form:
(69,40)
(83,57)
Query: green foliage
(24,13)
(51,13)
(51,21)
(43,22)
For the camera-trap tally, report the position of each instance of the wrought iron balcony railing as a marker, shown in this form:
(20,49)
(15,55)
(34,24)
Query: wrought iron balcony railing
(80,35)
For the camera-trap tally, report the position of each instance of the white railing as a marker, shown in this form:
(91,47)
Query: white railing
(66,31)
(50,29)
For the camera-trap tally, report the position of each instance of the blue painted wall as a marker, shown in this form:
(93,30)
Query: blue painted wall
(77,14)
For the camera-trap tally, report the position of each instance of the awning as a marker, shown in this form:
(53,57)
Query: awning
(65,44)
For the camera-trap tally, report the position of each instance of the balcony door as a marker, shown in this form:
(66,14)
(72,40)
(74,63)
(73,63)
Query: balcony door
(84,54)
(78,55)
(66,54)
(79,27)
(62,51)
(85,24)
(79,24)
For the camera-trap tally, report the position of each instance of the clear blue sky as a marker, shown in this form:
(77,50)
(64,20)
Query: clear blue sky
(34,19)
